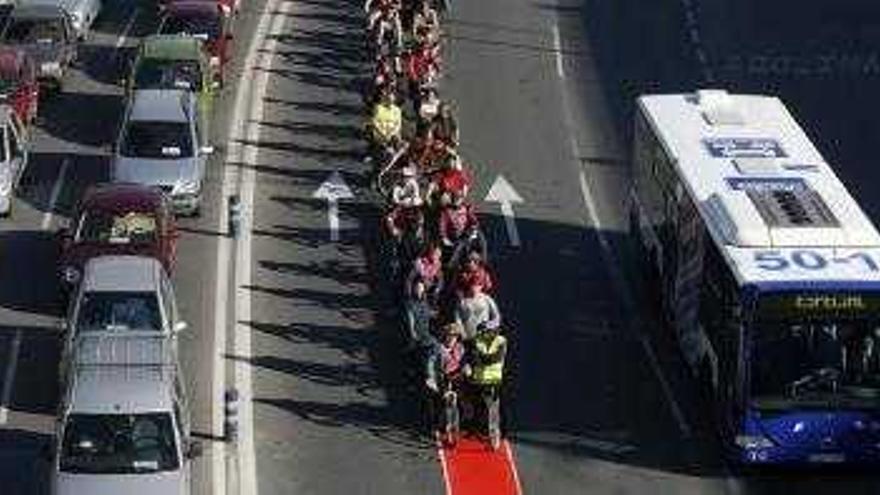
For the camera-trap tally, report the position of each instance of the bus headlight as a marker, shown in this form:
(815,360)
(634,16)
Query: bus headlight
(750,442)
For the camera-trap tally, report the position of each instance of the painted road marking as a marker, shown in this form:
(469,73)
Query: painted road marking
(557,50)
(127,29)
(503,193)
(473,468)
(55,194)
(332,190)
(9,377)
(247,112)
(617,277)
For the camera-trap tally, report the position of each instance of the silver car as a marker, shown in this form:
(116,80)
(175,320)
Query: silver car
(13,156)
(163,143)
(82,13)
(123,424)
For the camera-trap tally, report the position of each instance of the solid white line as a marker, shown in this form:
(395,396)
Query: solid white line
(9,377)
(127,29)
(55,194)
(557,51)
(617,278)
(444,463)
(508,452)
(260,56)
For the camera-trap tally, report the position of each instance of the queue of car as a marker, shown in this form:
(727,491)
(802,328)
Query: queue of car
(123,420)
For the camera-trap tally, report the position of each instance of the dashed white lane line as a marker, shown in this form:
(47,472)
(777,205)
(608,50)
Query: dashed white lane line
(9,377)
(123,37)
(508,453)
(557,50)
(55,194)
(444,463)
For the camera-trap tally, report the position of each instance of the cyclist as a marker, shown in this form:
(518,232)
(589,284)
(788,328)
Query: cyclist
(386,123)
(419,316)
(428,270)
(425,24)
(445,126)
(385,13)
(487,360)
(423,65)
(473,273)
(407,191)
(446,357)
(452,179)
(459,229)
(476,308)
(406,227)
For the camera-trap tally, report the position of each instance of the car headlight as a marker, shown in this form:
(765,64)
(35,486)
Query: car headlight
(750,442)
(50,67)
(70,274)
(186,187)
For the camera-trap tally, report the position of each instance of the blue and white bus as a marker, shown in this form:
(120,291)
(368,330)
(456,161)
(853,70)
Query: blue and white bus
(768,273)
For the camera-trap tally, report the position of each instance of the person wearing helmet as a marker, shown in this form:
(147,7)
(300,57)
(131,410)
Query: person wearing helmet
(428,269)
(407,191)
(486,373)
(473,273)
(419,315)
(476,308)
(446,358)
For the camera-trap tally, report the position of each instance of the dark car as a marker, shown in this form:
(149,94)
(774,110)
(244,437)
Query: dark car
(46,34)
(203,19)
(118,219)
(18,83)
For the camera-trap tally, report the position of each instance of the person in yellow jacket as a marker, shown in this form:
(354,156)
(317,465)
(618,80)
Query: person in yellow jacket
(488,352)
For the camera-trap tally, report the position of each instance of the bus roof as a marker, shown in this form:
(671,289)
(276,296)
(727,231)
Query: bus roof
(768,197)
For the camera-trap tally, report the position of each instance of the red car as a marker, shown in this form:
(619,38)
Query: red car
(117,219)
(205,19)
(18,83)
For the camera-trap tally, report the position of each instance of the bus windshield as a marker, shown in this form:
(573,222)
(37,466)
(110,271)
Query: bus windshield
(816,351)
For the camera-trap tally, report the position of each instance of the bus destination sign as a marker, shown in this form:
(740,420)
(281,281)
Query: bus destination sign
(819,305)
(736,147)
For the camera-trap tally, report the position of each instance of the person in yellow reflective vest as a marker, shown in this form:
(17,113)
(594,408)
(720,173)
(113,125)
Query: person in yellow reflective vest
(488,352)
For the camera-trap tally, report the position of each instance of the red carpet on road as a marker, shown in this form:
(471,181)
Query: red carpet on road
(471,467)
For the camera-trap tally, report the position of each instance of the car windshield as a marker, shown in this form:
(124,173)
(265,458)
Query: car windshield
(193,23)
(168,74)
(826,359)
(26,31)
(119,311)
(135,227)
(119,444)
(164,140)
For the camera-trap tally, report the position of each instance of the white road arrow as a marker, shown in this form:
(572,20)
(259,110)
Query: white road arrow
(333,189)
(502,192)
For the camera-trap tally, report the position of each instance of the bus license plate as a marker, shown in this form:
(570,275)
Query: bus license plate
(826,458)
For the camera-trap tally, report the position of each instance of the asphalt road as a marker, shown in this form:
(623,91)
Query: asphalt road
(596,399)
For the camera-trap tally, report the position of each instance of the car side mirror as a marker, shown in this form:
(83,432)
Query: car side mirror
(180,326)
(194,449)
(207,150)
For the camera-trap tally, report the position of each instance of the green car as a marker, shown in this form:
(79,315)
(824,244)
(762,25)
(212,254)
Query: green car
(171,61)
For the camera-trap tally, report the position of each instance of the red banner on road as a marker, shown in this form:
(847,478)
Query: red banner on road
(471,467)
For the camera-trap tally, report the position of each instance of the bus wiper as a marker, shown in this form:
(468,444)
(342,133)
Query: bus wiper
(821,376)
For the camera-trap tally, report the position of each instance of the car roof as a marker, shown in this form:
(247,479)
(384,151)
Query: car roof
(121,273)
(171,47)
(123,197)
(37,11)
(122,372)
(166,105)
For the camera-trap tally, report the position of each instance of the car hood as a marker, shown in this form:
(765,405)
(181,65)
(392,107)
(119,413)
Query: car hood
(155,172)
(43,52)
(166,483)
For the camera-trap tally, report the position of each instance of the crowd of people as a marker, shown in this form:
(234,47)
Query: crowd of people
(436,251)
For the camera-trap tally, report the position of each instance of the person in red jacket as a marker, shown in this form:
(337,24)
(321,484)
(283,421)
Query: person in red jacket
(473,273)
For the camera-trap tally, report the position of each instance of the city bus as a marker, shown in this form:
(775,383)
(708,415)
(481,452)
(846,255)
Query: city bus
(766,272)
